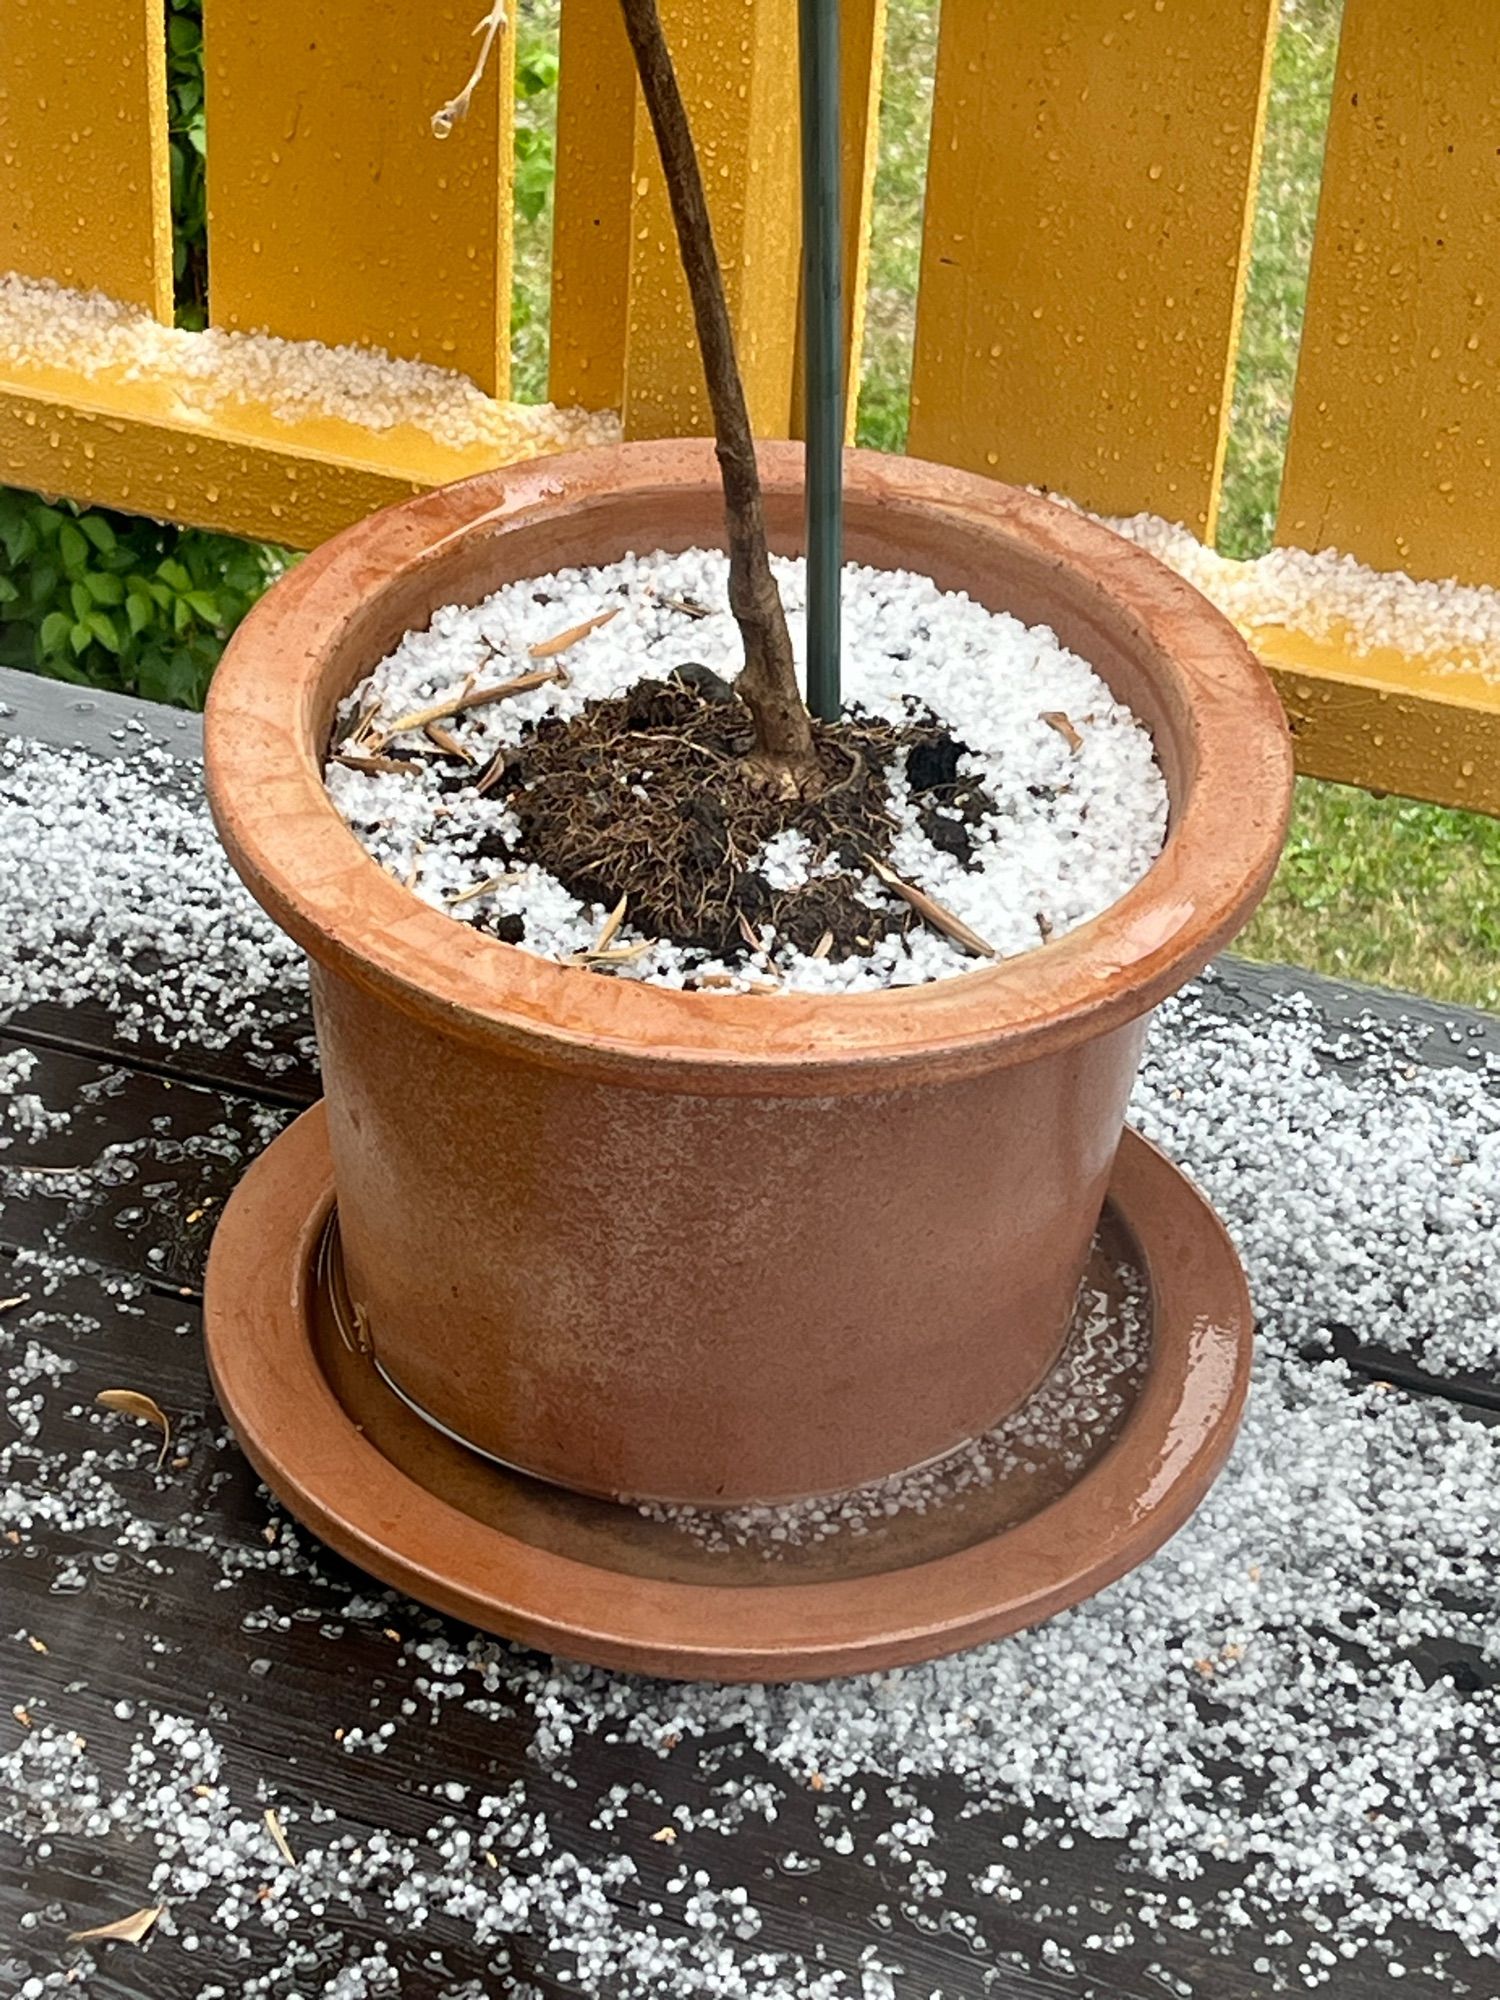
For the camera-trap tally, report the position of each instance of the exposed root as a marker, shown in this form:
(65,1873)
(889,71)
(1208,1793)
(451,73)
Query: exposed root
(658,796)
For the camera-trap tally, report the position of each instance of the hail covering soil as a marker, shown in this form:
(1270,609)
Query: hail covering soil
(1245,1723)
(44,325)
(1076,806)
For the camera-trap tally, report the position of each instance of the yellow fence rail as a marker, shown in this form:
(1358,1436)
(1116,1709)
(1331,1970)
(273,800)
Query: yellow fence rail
(1090,195)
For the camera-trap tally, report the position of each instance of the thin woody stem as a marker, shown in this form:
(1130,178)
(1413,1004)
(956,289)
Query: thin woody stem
(768,682)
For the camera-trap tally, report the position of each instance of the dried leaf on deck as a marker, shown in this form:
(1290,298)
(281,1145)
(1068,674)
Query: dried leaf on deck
(127,1930)
(1063,724)
(931,911)
(131,1403)
(546,649)
(278,1834)
(9,1305)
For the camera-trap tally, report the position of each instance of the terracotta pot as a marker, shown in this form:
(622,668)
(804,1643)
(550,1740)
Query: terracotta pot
(710,1247)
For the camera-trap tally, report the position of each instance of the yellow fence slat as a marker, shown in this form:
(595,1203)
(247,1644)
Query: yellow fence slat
(84,190)
(738,68)
(863,24)
(1087,229)
(1394,454)
(1425,729)
(334,214)
(591,206)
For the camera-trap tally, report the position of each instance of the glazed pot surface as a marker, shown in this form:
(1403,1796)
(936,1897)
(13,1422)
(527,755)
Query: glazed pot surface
(707,1247)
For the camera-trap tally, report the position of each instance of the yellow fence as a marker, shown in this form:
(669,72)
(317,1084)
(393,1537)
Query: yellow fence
(1090,194)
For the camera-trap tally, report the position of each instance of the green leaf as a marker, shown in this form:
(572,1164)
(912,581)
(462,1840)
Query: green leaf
(79,598)
(204,605)
(103,628)
(171,571)
(9,594)
(80,638)
(537,71)
(138,613)
(99,532)
(72,547)
(19,537)
(104,588)
(170,677)
(54,631)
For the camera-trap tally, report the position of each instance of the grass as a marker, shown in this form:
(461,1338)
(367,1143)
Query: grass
(1389,892)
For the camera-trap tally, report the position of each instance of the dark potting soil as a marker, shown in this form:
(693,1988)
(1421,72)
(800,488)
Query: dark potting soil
(645,796)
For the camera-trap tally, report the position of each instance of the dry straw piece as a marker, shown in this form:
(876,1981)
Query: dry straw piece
(441,711)
(931,911)
(444,120)
(609,930)
(546,649)
(278,1834)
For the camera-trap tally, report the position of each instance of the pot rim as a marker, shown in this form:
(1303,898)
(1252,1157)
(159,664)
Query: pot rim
(315,879)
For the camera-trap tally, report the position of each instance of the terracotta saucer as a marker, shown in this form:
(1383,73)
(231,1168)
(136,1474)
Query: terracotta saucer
(1104,1462)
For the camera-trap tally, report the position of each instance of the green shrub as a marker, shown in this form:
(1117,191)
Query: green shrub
(109,600)
(187,152)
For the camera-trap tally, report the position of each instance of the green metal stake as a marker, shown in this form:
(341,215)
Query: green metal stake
(823,345)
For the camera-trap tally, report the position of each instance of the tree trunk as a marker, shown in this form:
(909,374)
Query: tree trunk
(768,682)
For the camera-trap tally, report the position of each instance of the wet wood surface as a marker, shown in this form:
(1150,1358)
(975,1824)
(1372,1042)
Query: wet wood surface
(270,1658)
